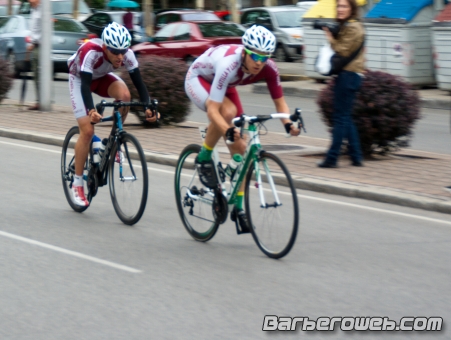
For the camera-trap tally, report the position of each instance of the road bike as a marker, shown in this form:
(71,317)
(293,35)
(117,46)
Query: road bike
(270,196)
(122,165)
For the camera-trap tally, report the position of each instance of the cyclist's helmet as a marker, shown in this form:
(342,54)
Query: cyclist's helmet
(116,36)
(260,39)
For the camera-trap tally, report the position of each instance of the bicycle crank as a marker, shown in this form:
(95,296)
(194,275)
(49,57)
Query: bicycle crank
(220,207)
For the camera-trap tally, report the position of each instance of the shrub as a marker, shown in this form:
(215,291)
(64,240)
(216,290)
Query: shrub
(165,80)
(6,80)
(385,111)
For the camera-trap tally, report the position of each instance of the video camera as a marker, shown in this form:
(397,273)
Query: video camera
(333,27)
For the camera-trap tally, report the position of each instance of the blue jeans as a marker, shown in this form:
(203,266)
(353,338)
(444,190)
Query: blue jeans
(346,85)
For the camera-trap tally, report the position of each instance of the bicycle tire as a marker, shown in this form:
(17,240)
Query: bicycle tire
(265,228)
(192,211)
(125,176)
(67,175)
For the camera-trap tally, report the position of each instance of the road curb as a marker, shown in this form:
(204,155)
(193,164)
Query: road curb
(296,91)
(312,184)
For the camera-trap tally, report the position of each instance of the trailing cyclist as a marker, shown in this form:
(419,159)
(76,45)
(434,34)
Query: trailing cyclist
(210,84)
(91,70)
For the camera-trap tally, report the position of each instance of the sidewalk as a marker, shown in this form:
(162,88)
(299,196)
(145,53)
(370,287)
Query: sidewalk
(408,177)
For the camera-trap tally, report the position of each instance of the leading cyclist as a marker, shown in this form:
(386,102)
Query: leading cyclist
(91,70)
(210,84)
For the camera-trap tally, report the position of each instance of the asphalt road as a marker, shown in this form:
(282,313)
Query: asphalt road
(431,133)
(87,276)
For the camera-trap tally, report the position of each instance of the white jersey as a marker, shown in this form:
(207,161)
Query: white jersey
(91,58)
(221,67)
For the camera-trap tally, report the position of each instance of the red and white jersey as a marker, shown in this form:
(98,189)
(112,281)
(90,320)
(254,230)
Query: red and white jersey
(91,58)
(221,67)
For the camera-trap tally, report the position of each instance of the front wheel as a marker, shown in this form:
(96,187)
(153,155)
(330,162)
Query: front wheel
(128,179)
(271,205)
(194,200)
(68,168)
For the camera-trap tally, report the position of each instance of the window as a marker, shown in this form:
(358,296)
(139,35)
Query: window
(250,18)
(289,18)
(61,25)
(10,26)
(182,32)
(165,33)
(221,30)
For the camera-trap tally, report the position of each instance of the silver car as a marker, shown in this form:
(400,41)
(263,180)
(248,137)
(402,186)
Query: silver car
(284,22)
(68,35)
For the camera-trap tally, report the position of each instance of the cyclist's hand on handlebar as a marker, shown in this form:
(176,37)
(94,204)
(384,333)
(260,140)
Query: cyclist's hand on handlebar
(95,116)
(151,117)
(232,134)
(292,130)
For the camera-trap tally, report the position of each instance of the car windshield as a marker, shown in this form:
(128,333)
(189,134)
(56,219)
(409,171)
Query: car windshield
(221,30)
(60,25)
(3,20)
(65,7)
(289,19)
(199,16)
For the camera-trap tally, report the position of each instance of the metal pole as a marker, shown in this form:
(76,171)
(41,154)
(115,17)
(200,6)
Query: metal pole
(75,10)
(10,7)
(148,16)
(200,4)
(45,57)
(234,11)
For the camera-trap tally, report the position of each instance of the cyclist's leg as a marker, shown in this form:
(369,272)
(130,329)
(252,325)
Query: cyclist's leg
(111,86)
(82,146)
(119,91)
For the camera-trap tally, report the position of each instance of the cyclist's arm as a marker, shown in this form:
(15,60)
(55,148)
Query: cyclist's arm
(136,78)
(86,79)
(282,107)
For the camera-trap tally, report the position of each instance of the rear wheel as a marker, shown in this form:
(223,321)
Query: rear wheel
(271,205)
(280,54)
(194,200)
(68,168)
(128,179)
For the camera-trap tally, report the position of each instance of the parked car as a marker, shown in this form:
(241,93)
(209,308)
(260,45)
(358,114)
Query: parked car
(62,8)
(68,35)
(284,22)
(100,19)
(168,17)
(188,40)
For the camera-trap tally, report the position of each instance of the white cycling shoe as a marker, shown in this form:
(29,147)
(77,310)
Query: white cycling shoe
(78,195)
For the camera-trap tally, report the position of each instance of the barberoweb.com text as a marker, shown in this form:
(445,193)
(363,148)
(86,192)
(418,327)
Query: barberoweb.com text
(285,323)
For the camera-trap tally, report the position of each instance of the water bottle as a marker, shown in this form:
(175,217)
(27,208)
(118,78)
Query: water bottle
(102,147)
(96,144)
(233,164)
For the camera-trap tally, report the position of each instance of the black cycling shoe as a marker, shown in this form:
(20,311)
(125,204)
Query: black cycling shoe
(239,217)
(206,173)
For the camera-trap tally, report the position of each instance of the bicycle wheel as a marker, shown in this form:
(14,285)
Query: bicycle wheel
(271,205)
(194,200)
(68,168)
(128,179)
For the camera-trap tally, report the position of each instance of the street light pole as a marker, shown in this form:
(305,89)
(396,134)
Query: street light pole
(45,57)
(75,10)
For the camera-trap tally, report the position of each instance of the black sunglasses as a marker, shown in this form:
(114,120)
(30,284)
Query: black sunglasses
(117,51)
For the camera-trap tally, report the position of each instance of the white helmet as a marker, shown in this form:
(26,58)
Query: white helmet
(259,38)
(116,36)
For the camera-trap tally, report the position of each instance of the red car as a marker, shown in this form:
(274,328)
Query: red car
(188,40)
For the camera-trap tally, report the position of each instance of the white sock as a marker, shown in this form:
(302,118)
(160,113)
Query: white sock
(78,181)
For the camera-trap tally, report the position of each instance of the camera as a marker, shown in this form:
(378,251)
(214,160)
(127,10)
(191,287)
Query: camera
(333,27)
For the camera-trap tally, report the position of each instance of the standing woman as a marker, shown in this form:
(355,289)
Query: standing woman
(347,83)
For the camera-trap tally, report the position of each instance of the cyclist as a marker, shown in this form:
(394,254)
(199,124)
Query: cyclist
(91,70)
(210,84)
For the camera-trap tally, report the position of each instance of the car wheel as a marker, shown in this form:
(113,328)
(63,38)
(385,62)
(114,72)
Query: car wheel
(280,54)
(12,64)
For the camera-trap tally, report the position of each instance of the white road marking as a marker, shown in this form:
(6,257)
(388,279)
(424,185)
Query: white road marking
(70,252)
(287,193)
